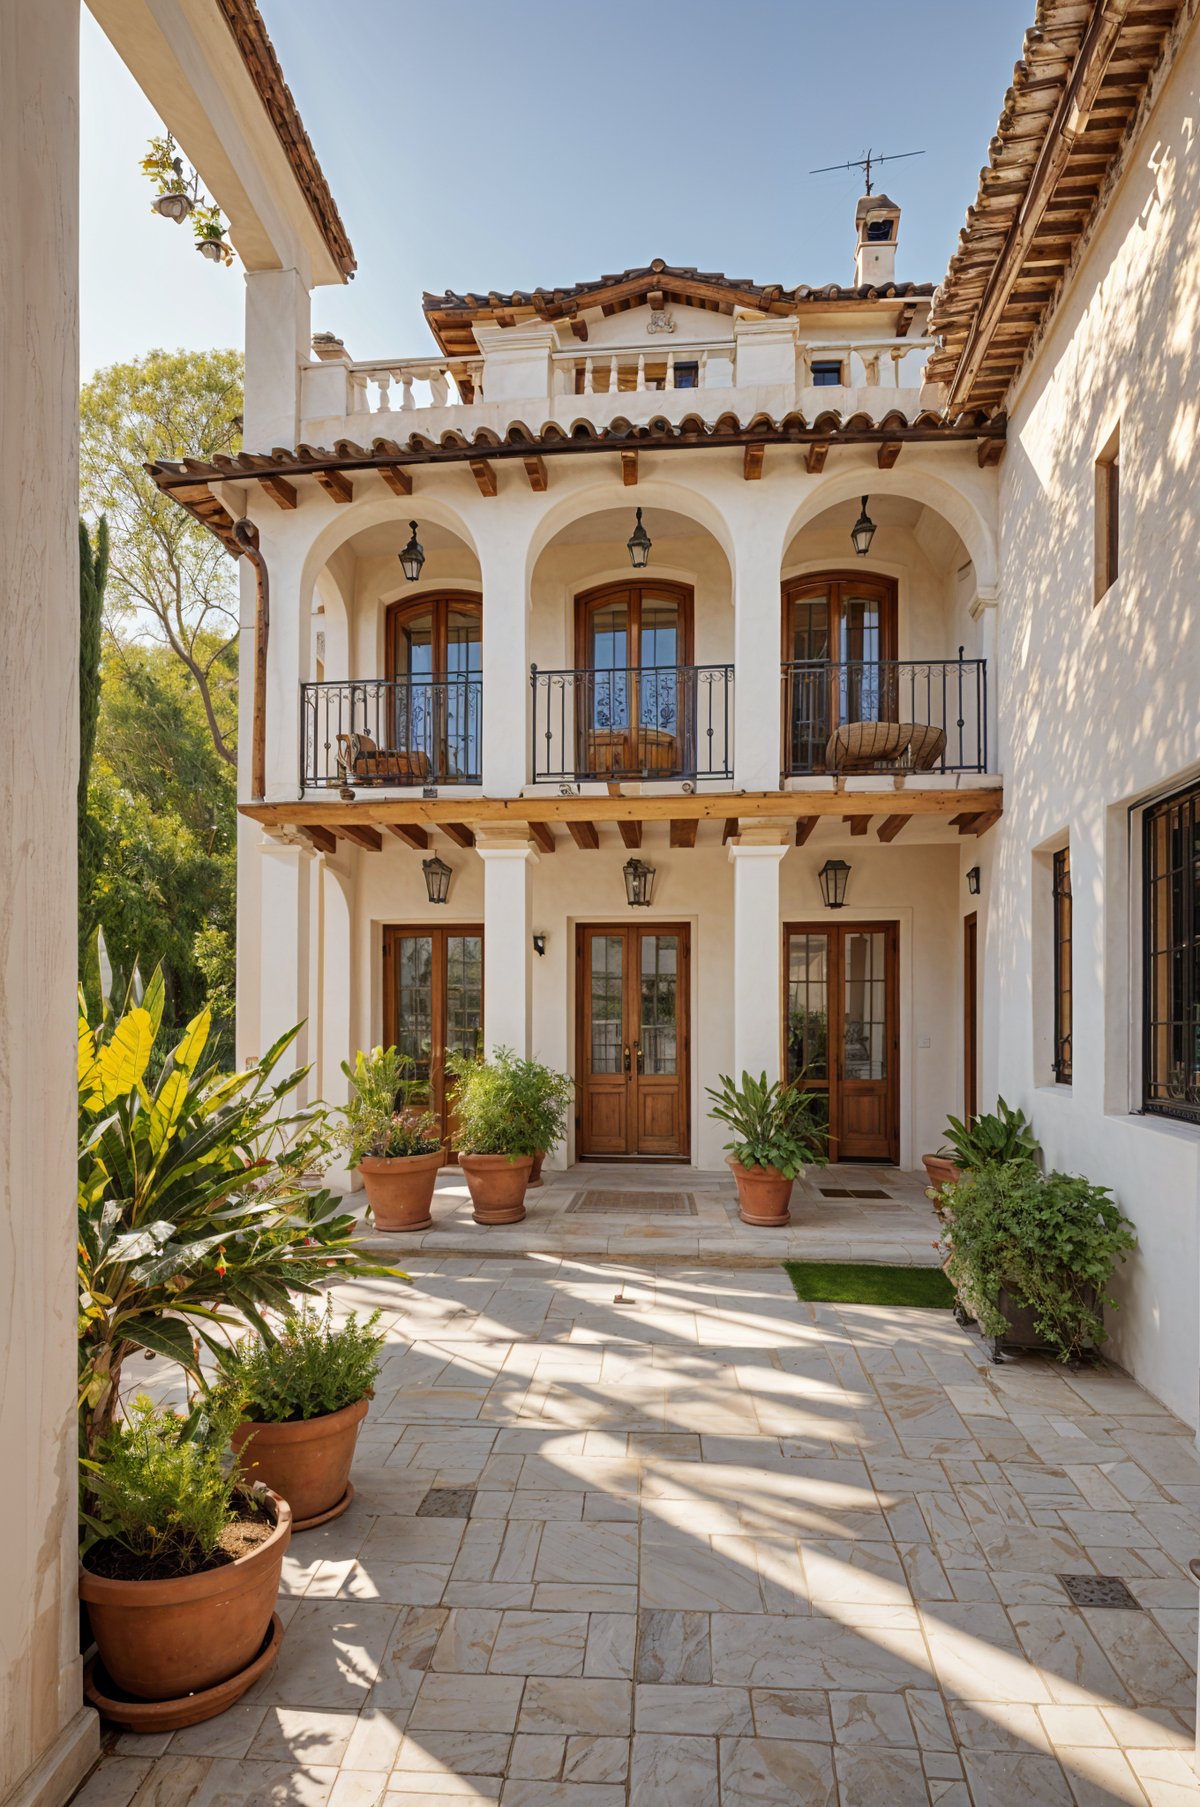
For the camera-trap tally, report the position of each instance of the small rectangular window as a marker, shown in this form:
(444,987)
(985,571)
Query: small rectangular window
(1062,966)
(827,373)
(1108,514)
(1171,910)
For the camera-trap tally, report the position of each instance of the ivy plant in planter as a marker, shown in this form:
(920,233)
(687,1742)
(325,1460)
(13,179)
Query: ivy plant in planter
(992,1139)
(302,1396)
(392,1139)
(1022,1242)
(778,1132)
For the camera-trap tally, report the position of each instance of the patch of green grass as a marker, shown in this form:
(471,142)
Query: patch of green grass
(861,1283)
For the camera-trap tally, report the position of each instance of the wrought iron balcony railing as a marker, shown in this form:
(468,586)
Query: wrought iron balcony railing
(885,715)
(662,721)
(401,731)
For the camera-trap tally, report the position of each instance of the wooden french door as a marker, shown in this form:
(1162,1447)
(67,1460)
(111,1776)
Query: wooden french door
(839,647)
(433,1003)
(631,1076)
(435,661)
(843,1031)
(633,645)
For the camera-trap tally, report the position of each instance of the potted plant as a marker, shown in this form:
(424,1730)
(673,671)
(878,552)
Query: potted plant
(991,1139)
(180,1569)
(541,1097)
(497,1134)
(302,1396)
(777,1134)
(175,194)
(1031,1255)
(193,1209)
(392,1140)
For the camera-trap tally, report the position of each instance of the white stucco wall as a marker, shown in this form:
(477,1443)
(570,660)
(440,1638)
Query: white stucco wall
(1099,707)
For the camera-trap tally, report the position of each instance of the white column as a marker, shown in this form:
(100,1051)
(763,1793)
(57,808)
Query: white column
(50,1740)
(757,855)
(502,558)
(286,868)
(507,942)
(278,341)
(756,738)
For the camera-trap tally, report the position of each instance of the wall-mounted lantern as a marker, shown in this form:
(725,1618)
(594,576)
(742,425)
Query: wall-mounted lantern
(437,879)
(973,881)
(833,876)
(639,544)
(539,944)
(639,883)
(863,532)
(413,556)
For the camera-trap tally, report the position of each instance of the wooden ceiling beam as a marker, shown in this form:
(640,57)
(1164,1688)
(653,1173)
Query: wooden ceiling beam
(280,491)
(410,834)
(889,451)
(459,833)
(397,479)
(484,475)
(535,470)
(362,835)
(631,833)
(804,827)
(729,829)
(987,819)
(857,824)
(815,457)
(989,452)
(323,839)
(752,462)
(891,827)
(543,835)
(584,834)
(683,831)
(629,466)
(335,484)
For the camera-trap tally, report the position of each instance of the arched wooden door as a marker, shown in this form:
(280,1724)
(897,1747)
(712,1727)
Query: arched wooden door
(435,665)
(633,647)
(839,651)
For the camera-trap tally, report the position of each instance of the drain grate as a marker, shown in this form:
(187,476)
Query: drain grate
(635,1204)
(447,1502)
(1099,1590)
(853,1192)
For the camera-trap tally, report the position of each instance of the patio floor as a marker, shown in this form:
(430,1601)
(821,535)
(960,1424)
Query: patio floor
(898,1227)
(716,1548)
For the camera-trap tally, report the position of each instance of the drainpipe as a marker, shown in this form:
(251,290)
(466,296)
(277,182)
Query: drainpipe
(245,534)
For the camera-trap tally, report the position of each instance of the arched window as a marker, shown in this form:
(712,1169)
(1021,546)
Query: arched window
(839,652)
(435,672)
(634,706)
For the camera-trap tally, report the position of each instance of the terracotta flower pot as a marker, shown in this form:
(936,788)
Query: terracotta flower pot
(307,1462)
(941,1171)
(764,1195)
(162,1640)
(497,1183)
(535,1175)
(400,1190)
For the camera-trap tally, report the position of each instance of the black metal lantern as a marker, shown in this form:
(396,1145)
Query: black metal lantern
(639,545)
(863,531)
(413,556)
(973,881)
(639,883)
(833,876)
(437,879)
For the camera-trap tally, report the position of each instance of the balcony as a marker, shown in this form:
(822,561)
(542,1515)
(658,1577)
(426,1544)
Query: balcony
(884,715)
(657,723)
(397,732)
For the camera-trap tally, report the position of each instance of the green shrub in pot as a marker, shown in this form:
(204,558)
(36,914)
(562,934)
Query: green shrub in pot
(387,1115)
(506,1112)
(992,1139)
(778,1131)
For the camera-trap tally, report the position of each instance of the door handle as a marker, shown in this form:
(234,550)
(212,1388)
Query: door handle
(626,1059)
(640,1059)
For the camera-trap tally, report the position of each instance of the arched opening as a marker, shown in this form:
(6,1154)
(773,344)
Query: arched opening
(434,666)
(633,650)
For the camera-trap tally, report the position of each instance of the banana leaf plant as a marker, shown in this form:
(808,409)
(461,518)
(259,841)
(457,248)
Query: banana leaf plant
(195,1212)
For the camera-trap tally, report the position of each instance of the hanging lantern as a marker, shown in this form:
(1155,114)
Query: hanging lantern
(863,531)
(437,879)
(413,556)
(639,883)
(639,543)
(833,876)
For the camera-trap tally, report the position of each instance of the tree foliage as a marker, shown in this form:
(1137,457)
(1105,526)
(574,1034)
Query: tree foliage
(170,580)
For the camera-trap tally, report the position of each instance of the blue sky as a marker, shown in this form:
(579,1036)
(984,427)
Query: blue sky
(476,145)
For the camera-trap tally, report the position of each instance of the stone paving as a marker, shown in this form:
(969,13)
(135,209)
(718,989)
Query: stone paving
(900,1227)
(627,1537)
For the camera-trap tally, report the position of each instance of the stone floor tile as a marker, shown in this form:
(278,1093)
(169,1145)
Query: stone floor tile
(597,1554)
(814,1653)
(230,1734)
(877,1719)
(563,1794)
(867,1777)
(466,1641)
(303,1735)
(537,1756)
(1152,1670)
(673,1647)
(357,1788)
(800,1713)
(466,1703)
(611,1641)
(687,1575)
(561,1596)
(376,1739)
(331,1655)
(1100,1778)
(539,1643)
(1148,1728)
(114,1782)
(1000,1778)
(592,1759)
(775,1772)
(571,1705)
(395,1583)
(448,1755)
(1085,1726)
(1168,1778)
(661,1708)
(1058,1640)
(673,1767)
(998,1726)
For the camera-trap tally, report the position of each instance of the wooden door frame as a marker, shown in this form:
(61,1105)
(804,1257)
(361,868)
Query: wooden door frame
(970,1017)
(889,927)
(437,931)
(410,605)
(632,931)
(585,601)
(889,617)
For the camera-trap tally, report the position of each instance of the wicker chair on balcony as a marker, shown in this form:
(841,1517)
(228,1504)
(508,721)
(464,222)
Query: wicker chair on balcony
(896,746)
(361,761)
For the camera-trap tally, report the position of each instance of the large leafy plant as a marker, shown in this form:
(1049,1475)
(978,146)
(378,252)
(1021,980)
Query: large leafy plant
(313,1367)
(992,1139)
(507,1105)
(387,1116)
(196,1212)
(774,1125)
(1048,1242)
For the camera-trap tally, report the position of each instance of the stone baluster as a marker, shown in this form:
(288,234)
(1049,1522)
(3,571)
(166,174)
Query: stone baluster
(641,370)
(702,373)
(406,383)
(589,386)
(359,403)
(439,387)
(382,381)
(670,377)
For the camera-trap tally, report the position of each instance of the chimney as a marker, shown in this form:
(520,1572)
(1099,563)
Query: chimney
(877,227)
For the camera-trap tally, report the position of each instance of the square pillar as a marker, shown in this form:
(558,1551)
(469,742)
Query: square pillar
(757,855)
(507,942)
(757,752)
(505,654)
(284,923)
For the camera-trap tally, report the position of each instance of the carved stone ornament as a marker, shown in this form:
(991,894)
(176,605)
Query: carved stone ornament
(660,321)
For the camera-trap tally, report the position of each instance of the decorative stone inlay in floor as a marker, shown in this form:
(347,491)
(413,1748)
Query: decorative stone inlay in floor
(641,1204)
(447,1502)
(1100,1590)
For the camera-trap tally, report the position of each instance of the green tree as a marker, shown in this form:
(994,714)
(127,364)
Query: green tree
(170,580)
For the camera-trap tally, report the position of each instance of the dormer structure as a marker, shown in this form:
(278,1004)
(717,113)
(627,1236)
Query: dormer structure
(877,229)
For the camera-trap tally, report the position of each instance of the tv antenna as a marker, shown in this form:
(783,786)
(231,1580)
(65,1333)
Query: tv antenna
(866,163)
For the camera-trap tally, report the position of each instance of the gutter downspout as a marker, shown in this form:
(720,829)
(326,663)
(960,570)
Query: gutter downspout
(246,535)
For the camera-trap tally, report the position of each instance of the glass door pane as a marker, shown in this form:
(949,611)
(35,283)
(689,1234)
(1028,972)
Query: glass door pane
(659,990)
(808,1007)
(809,701)
(607,986)
(464,666)
(414,1002)
(864,1019)
(861,653)
(464,993)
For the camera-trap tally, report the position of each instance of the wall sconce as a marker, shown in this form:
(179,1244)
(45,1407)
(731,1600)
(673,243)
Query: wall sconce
(863,532)
(539,945)
(639,883)
(973,881)
(413,556)
(437,879)
(638,545)
(833,877)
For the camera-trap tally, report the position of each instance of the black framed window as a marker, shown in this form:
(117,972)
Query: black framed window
(827,373)
(1062,966)
(1171,902)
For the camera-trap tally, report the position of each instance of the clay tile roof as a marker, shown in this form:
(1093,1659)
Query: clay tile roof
(258,54)
(1084,72)
(452,317)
